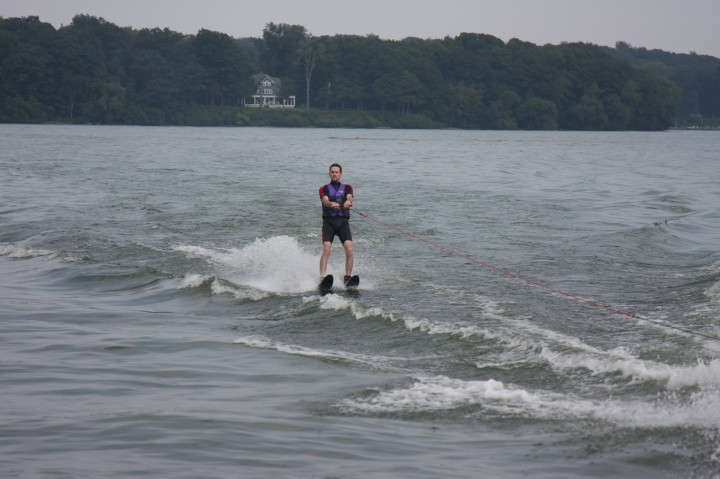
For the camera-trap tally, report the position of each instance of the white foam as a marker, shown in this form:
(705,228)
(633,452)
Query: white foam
(703,375)
(218,286)
(713,292)
(221,287)
(411,323)
(276,265)
(24,252)
(701,409)
(433,393)
(525,341)
(442,393)
(338,302)
(375,361)
(193,280)
(335,302)
(564,352)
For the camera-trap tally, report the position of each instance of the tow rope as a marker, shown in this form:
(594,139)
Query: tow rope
(539,285)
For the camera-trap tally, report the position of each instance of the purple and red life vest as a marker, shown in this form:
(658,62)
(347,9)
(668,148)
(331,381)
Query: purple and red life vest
(338,196)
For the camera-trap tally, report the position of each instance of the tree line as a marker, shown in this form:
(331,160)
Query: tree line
(93,71)
(697,75)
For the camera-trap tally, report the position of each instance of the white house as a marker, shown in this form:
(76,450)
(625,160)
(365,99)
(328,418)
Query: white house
(268,93)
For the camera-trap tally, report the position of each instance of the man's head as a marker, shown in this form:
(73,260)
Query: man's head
(335,172)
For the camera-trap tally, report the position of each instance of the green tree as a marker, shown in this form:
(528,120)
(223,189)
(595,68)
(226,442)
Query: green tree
(465,105)
(226,66)
(279,48)
(503,110)
(343,91)
(619,115)
(537,114)
(698,76)
(311,50)
(588,114)
(27,77)
(410,92)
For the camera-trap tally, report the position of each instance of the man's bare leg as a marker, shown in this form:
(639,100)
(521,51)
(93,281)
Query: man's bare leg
(327,247)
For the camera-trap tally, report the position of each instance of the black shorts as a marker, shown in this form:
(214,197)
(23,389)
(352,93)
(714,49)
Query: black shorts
(336,226)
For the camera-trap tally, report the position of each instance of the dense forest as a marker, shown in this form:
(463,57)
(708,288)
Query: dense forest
(697,75)
(93,71)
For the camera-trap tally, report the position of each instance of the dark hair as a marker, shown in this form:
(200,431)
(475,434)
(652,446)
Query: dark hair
(335,164)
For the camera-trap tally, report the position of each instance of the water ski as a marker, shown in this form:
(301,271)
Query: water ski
(326,283)
(352,282)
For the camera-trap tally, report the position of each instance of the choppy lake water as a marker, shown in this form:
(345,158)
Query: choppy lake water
(159,315)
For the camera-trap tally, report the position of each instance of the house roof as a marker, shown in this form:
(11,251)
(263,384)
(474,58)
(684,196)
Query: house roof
(259,77)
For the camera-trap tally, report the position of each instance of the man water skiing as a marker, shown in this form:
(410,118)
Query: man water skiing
(336,202)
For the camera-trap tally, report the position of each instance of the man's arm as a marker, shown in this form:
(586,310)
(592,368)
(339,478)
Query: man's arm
(349,197)
(330,204)
(325,200)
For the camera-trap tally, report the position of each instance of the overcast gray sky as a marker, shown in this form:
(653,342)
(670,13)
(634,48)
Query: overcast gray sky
(678,26)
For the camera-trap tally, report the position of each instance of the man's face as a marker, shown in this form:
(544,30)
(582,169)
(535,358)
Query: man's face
(335,174)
